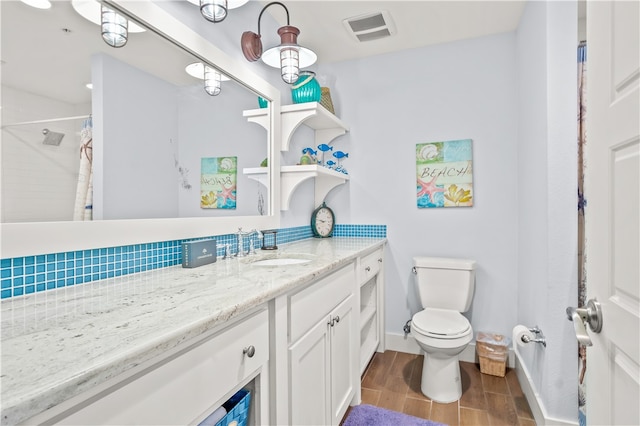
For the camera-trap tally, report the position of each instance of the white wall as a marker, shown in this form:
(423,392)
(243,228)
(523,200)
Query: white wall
(135,132)
(38,181)
(460,90)
(214,127)
(152,160)
(547,210)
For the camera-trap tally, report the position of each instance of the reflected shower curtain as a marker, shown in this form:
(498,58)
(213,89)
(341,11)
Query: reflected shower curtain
(582,202)
(83,209)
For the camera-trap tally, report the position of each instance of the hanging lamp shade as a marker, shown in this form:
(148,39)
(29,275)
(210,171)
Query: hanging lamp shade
(91,10)
(38,4)
(196,69)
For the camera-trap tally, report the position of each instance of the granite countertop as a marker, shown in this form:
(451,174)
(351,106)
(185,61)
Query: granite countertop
(59,343)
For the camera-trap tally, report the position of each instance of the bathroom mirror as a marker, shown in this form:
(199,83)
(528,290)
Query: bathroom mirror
(149,148)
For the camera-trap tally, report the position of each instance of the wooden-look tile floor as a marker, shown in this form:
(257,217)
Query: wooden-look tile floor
(392,381)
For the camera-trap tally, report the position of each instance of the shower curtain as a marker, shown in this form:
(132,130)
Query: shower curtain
(83,209)
(582,202)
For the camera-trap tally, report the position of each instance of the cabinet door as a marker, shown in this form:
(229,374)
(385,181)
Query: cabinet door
(187,386)
(309,375)
(343,351)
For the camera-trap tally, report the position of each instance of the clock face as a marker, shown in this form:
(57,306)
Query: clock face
(323,221)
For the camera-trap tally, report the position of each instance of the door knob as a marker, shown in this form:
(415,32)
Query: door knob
(249,351)
(591,314)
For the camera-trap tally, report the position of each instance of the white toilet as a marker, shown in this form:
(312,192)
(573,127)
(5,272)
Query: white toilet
(446,289)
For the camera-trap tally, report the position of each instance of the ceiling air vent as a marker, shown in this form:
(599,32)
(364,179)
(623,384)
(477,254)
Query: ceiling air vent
(371,26)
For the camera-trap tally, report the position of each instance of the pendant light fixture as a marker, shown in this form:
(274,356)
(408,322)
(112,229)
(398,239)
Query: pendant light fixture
(288,55)
(92,11)
(213,10)
(115,28)
(211,81)
(216,10)
(212,77)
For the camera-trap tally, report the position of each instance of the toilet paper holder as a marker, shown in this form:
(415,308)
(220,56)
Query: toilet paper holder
(538,339)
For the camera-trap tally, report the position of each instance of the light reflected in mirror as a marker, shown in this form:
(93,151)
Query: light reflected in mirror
(156,133)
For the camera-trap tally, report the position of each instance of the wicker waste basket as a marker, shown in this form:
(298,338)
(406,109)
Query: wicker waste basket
(493,351)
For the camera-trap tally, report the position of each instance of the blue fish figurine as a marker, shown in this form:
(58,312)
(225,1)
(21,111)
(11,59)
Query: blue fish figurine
(309,151)
(331,163)
(340,154)
(324,147)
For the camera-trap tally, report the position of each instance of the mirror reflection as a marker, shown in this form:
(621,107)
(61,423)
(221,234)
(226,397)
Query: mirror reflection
(148,138)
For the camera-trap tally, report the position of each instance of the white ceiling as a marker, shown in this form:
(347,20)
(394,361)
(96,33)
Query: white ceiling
(47,51)
(418,23)
(35,49)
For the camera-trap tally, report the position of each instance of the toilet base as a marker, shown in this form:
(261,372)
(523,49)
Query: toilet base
(441,378)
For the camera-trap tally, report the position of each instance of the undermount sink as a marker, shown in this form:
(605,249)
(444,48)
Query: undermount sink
(280,261)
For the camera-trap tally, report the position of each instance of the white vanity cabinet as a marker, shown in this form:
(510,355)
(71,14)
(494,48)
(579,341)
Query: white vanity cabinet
(371,295)
(297,340)
(185,387)
(323,349)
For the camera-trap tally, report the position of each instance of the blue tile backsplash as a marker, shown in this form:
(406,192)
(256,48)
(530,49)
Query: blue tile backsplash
(24,275)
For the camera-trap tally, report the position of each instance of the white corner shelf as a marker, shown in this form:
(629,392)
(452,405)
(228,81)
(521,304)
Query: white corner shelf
(259,116)
(292,176)
(258,173)
(326,125)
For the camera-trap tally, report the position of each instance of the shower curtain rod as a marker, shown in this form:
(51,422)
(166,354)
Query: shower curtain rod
(51,120)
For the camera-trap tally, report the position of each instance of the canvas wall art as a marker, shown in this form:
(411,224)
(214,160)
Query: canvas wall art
(218,177)
(444,175)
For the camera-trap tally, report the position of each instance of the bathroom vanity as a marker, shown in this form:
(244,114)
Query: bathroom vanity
(170,346)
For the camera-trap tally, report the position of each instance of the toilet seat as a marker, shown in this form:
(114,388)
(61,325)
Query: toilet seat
(441,323)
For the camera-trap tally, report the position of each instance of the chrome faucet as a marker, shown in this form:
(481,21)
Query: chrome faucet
(240,235)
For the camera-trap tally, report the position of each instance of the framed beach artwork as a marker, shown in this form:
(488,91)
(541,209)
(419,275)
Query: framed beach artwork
(444,175)
(218,177)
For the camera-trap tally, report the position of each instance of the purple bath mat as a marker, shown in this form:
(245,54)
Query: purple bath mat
(368,415)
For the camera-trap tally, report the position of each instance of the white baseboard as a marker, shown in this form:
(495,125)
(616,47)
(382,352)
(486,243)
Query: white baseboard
(406,343)
(537,407)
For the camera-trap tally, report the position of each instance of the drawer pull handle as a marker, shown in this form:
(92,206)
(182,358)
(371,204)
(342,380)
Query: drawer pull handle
(334,321)
(368,268)
(379,260)
(249,351)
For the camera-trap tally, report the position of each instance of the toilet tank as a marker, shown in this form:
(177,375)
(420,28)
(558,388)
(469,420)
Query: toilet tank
(445,283)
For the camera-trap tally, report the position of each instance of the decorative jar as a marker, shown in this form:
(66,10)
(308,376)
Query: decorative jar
(306,88)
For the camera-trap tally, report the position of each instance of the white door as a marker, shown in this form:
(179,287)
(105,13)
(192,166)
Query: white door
(612,185)
(342,359)
(310,377)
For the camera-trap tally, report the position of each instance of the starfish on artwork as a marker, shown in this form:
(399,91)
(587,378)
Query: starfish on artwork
(227,193)
(428,188)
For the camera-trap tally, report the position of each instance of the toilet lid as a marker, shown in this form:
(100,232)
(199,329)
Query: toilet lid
(441,323)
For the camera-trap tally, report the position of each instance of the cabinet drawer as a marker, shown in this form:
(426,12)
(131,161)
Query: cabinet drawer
(308,306)
(188,385)
(370,266)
